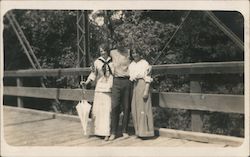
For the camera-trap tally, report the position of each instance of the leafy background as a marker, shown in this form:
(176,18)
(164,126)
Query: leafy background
(52,35)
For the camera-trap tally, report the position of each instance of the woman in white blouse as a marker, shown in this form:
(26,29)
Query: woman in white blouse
(141,107)
(102,73)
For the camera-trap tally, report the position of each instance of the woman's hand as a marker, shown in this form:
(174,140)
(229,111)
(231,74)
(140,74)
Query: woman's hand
(146,92)
(84,83)
(145,96)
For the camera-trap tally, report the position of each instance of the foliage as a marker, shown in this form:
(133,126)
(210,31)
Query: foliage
(225,124)
(52,35)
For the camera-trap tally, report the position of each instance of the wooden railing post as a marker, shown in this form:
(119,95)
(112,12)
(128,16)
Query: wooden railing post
(196,121)
(19,99)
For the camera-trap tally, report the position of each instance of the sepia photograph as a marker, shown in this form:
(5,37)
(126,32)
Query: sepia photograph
(122,78)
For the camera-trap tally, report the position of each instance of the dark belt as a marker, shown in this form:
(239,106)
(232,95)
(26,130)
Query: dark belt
(123,78)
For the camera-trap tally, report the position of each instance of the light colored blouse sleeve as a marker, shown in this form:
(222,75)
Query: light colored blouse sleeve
(130,72)
(92,76)
(147,73)
(112,68)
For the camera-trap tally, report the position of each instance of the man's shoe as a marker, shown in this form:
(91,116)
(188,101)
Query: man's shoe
(112,137)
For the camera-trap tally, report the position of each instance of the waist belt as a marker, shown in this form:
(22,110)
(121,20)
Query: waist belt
(125,77)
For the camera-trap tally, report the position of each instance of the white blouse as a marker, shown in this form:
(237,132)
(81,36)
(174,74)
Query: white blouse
(140,70)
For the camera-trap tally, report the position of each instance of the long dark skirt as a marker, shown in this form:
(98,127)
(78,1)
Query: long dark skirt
(142,111)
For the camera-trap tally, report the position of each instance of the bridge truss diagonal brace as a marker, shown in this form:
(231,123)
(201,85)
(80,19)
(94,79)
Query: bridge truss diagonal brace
(82,39)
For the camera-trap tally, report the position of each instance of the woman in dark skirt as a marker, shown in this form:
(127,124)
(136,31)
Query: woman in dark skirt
(141,107)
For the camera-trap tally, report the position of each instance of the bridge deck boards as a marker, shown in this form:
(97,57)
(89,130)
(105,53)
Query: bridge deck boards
(31,129)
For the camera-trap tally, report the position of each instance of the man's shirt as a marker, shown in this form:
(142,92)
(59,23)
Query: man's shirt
(121,61)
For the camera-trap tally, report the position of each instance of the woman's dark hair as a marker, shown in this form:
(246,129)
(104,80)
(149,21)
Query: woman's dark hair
(137,50)
(105,47)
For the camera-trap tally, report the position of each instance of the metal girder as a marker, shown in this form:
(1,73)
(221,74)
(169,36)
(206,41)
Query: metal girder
(82,38)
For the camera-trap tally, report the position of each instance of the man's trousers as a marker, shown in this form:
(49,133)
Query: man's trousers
(121,102)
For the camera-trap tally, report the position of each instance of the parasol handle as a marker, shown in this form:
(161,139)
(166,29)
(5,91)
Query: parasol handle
(83,91)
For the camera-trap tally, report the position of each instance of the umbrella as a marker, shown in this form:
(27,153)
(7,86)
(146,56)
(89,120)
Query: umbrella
(83,109)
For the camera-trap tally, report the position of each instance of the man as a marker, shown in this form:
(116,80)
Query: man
(121,91)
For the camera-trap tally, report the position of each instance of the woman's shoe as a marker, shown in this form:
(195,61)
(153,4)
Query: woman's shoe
(106,138)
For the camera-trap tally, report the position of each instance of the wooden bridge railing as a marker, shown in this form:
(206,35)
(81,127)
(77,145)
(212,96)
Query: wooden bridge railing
(195,101)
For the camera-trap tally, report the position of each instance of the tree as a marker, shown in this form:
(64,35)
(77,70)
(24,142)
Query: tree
(52,34)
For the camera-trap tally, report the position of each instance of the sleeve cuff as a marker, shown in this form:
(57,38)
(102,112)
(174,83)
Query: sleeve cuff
(92,77)
(148,79)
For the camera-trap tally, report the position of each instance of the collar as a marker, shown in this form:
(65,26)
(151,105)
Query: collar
(141,60)
(106,60)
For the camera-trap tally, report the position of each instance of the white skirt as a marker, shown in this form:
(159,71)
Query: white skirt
(101,113)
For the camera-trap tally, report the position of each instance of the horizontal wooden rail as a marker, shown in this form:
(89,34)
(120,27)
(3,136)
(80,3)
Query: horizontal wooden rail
(188,68)
(200,68)
(49,93)
(189,101)
(204,102)
(48,72)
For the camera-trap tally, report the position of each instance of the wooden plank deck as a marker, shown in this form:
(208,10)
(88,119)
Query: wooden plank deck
(25,127)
